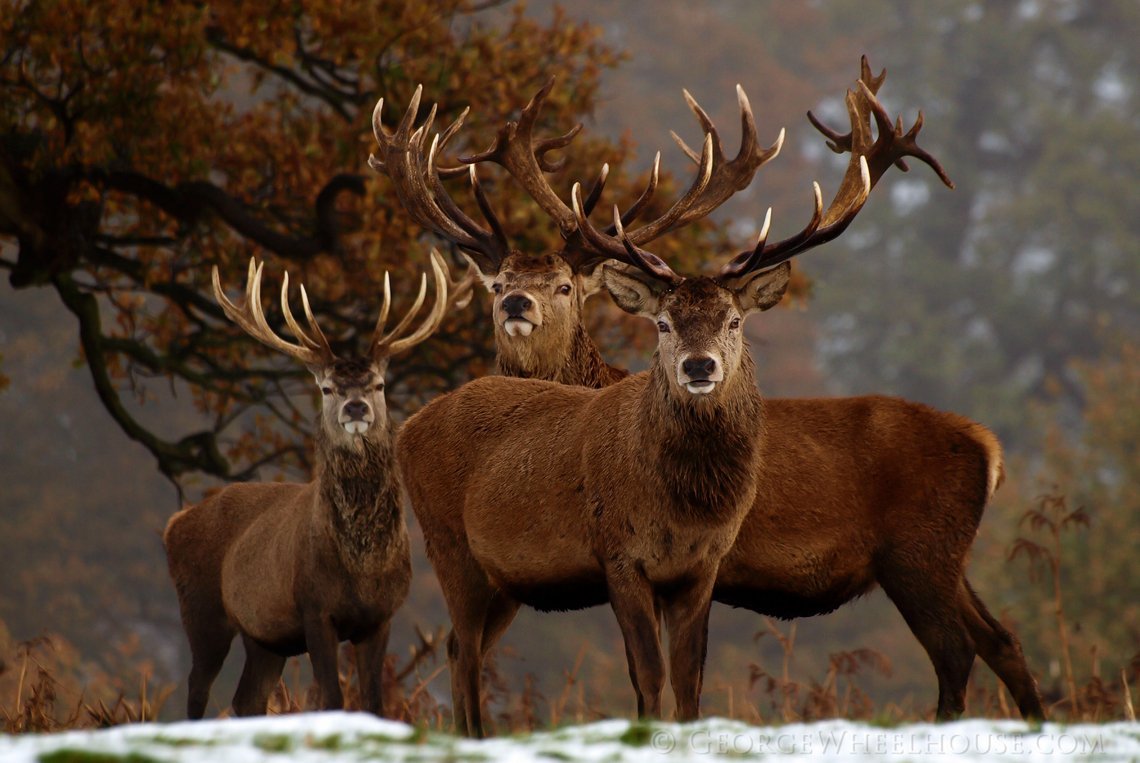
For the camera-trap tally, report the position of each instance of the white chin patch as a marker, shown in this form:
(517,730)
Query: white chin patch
(701,387)
(518,327)
(355,427)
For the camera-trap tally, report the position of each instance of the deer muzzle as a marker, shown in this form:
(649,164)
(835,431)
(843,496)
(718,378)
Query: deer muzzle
(356,416)
(519,313)
(699,374)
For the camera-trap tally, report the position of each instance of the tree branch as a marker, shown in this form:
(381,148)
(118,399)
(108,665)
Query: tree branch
(195,452)
(189,201)
(333,98)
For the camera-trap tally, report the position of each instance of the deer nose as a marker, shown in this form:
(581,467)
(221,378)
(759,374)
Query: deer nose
(516,304)
(699,368)
(356,409)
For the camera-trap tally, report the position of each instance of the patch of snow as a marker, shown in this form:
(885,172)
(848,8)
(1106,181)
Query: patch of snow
(334,737)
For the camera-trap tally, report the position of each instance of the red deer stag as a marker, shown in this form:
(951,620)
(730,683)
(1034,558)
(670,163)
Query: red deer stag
(538,299)
(846,530)
(301,567)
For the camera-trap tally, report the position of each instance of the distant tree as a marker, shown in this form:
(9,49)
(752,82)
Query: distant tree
(978,300)
(144,143)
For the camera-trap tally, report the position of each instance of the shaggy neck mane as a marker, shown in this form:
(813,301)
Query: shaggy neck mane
(705,451)
(577,362)
(359,488)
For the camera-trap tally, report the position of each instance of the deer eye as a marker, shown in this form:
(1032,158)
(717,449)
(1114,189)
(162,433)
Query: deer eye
(379,387)
(497,288)
(564,288)
(663,327)
(735,323)
(326,390)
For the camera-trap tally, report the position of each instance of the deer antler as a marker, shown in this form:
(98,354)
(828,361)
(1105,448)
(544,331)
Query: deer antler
(459,293)
(515,150)
(395,342)
(725,177)
(870,159)
(892,145)
(618,246)
(313,348)
(716,180)
(410,161)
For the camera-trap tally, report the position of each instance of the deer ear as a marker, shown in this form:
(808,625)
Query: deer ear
(591,280)
(760,291)
(486,276)
(633,292)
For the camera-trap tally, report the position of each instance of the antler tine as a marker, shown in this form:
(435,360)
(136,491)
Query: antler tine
(385,306)
(643,200)
(514,149)
(728,177)
(484,206)
(410,161)
(320,342)
(596,189)
(392,343)
(409,316)
(251,319)
(444,138)
(459,293)
(553,144)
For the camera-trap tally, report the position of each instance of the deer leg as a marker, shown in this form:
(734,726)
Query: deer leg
(260,675)
(208,650)
(500,615)
(465,656)
(471,612)
(934,617)
(635,608)
(1001,650)
(687,618)
(629,663)
(478,611)
(370,653)
(458,688)
(321,641)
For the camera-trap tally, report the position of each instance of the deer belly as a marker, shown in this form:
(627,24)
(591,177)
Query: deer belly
(539,557)
(795,574)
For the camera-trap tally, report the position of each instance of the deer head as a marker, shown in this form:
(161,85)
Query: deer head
(539,298)
(699,319)
(352,388)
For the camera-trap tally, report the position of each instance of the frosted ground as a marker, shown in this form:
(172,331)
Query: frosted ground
(326,737)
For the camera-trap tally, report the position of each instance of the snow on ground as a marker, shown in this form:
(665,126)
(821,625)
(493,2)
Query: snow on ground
(329,737)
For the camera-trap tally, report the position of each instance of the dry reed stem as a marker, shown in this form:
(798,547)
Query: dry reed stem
(1129,711)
